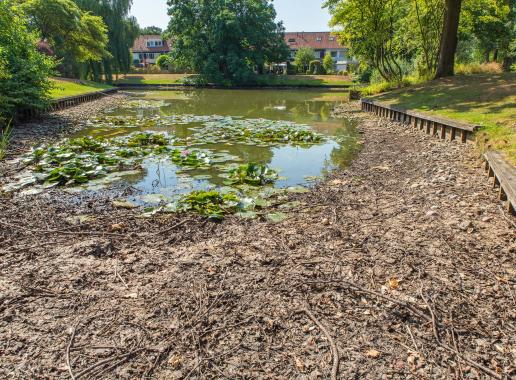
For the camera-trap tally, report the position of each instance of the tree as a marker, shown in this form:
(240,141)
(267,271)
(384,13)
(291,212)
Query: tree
(164,62)
(372,29)
(449,39)
(74,34)
(24,72)
(303,57)
(328,64)
(151,30)
(225,41)
(122,31)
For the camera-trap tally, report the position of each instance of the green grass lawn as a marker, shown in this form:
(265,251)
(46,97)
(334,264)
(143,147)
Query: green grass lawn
(488,100)
(264,80)
(63,89)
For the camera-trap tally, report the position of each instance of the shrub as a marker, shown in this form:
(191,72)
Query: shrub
(328,64)
(303,58)
(315,68)
(24,71)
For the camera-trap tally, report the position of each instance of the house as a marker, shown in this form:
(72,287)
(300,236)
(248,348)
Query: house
(322,43)
(148,48)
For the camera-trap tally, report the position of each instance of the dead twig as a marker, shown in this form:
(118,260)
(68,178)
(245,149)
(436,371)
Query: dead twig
(68,348)
(333,346)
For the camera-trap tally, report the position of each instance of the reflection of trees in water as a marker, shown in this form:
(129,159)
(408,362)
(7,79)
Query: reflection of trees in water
(299,106)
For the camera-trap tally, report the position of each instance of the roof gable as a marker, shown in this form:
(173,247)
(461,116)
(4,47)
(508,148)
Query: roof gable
(140,44)
(314,40)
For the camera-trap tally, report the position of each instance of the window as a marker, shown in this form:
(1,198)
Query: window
(332,38)
(319,39)
(291,40)
(334,54)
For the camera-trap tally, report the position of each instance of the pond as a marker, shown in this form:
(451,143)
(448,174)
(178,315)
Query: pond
(223,140)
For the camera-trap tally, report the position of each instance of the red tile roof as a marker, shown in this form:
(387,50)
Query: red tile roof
(310,39)
(140,45)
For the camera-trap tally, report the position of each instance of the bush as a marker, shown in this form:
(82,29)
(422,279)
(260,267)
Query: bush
(292,68)
(328,64)
(315,68)
(478,68)
(24,72)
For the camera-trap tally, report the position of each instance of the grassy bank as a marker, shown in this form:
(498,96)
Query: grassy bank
(263,80)
(65,88)
(488,100)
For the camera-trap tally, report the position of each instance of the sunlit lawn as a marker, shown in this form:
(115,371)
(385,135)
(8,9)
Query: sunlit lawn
(63,89)
(488,100)
(265,80)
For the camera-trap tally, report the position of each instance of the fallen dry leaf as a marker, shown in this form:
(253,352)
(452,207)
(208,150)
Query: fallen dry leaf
(373,354)
(394,283)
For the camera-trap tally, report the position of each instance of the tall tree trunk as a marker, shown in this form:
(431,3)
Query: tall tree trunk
(495,55)
(449,39)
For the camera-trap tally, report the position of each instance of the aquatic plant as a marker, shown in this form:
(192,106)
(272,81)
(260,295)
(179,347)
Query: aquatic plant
(145,139)
(192,158)
(252,174)
(212,204)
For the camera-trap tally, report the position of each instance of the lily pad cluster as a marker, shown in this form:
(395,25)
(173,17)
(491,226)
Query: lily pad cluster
(257,131)
(251,174)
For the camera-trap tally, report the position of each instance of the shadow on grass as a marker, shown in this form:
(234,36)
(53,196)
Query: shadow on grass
(491,94)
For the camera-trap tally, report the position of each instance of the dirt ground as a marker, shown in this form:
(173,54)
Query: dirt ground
(402,266)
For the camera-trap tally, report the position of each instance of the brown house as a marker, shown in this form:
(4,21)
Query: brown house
(322,43)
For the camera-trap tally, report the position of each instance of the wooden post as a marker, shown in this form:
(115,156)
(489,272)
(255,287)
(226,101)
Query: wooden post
(452,134)
(443,131)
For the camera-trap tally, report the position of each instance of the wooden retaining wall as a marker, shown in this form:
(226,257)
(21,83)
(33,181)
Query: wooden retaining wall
(62,103)
(436,126)
(504,178)
(503,173)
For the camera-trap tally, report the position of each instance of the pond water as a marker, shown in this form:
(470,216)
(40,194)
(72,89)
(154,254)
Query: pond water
(296,164)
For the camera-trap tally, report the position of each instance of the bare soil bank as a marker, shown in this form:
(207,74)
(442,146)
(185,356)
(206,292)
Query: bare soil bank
(401,266)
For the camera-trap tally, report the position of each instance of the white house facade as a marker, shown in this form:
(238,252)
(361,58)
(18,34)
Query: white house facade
(148,48)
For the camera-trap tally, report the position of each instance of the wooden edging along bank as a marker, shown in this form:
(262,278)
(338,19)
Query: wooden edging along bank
(504,177)
(503,173)
(69,101)
(436,126)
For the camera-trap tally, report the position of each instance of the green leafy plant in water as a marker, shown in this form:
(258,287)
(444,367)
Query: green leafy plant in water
(212,204)
(146,139)
(86,144)
(190,158)
(73,172)
(252,174)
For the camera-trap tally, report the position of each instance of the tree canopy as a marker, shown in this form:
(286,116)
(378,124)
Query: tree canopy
(304,56)
(24,71)
(225,41)
(401,36)
(151,30)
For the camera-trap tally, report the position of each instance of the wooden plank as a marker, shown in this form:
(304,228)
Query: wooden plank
(448,122)
(504,176)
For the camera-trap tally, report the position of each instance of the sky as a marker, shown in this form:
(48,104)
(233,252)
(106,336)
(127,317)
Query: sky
(297,15)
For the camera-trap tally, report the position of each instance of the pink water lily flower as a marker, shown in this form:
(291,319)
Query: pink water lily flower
(185,153)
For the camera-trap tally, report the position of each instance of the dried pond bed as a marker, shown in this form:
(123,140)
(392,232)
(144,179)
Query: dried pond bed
(408,267)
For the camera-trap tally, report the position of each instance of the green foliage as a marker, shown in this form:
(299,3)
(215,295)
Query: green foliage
(73,34)
(225,41)
(304,56)
(151,30)
(328,64)
(122,31)
(164,62)
(24,71)
(251,174)
(5,138)
(315,68)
